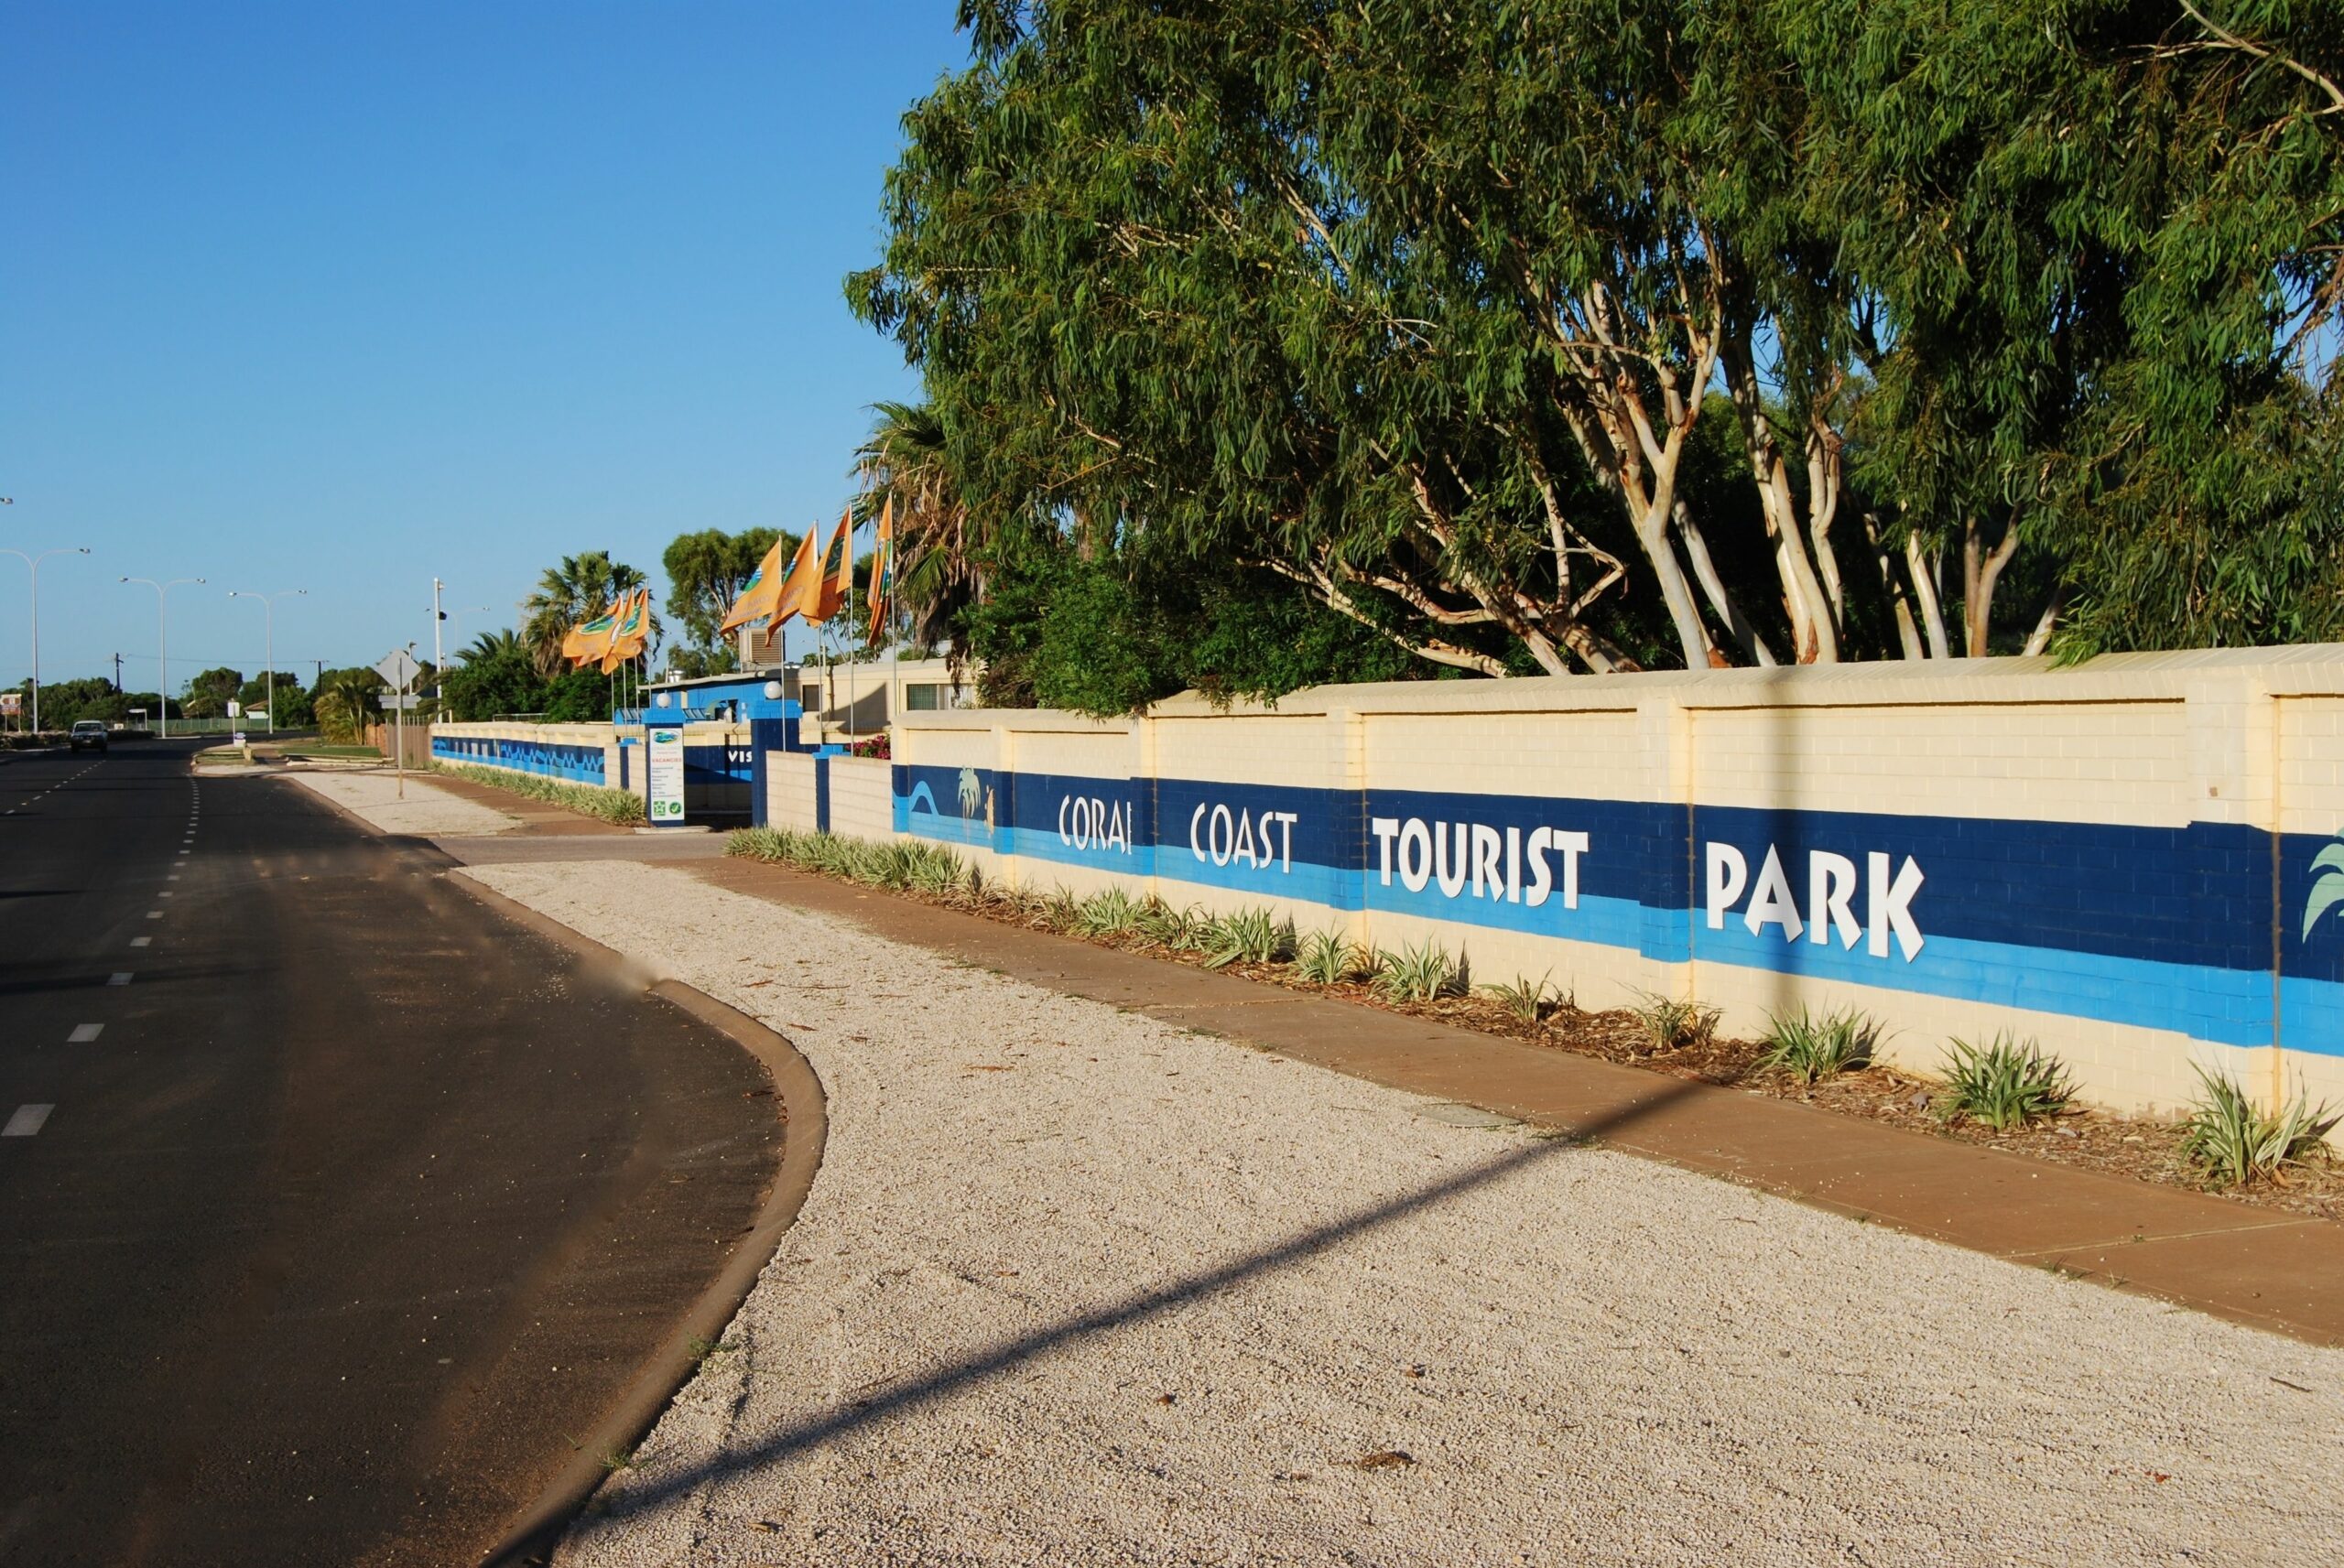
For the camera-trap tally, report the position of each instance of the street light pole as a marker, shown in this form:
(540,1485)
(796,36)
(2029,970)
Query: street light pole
(34,562)
(162,645)
(268,604)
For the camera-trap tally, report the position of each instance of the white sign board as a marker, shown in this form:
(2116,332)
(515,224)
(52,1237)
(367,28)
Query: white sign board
(403,701)
(398,668)
(665,774)
(236,708)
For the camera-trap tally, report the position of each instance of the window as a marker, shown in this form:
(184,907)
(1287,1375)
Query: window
(923,697)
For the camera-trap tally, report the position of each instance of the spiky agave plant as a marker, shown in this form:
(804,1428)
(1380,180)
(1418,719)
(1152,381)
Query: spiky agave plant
(1819,1046)
(2234,1142)
(1416,974)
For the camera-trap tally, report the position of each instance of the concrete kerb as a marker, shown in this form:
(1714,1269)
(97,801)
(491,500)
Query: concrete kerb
(805,1115)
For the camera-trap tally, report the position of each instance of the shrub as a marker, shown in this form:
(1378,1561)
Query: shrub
(1816,1046)
(1528,1001)
(1249,936)
(2234,1142)
(905,863)
(2003,1084)
(1670,1022)
(593,800)
(1416,974)
(1109,914)
(1327,958)
(1180,930)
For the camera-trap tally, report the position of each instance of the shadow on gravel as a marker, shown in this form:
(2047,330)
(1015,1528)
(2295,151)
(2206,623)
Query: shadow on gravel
(1135,1308)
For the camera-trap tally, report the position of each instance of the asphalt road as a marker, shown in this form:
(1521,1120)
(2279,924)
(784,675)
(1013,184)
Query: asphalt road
(331,1202)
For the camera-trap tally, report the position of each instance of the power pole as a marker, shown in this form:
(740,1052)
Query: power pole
(118,675)
(438,619)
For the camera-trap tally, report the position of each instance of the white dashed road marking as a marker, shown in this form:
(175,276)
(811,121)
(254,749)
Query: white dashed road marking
(141,941)
(119,977)
(27,1121)
(84,1033)
(153,914)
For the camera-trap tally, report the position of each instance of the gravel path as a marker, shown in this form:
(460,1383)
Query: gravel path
(430,812)
(1076,1287)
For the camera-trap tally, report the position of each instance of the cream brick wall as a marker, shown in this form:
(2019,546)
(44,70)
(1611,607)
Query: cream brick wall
(2245,737)
(790,790)
(861,798)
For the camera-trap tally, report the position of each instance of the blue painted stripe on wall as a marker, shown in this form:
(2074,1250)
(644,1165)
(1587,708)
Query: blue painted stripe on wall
(2147,927)
(552,759)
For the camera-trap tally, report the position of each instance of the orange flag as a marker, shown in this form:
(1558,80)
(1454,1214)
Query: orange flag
(590,640)
(757,595)
(631,632)
(804,580)
(831,595)
(881,566)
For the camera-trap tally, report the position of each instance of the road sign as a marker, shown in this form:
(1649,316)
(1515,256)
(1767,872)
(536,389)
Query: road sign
(398,668)
(403,701)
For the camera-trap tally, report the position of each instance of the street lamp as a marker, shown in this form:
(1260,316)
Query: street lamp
(268,604)
(34,562)
(163,643)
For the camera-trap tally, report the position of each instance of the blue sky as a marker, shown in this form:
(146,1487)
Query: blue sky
(345,298)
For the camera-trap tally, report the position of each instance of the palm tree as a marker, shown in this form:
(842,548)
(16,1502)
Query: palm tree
(580,588)
(906,461)
(490,646)
(346,703)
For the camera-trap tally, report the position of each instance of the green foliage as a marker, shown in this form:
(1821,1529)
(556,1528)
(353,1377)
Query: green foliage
(1547,338)
(344,701)
(2234,1142)
(1528,1000)
(706,571)
(1180,930)
(576,588)
(1248,936)
(293,710)
(1109,637)
(2003,1084)
(493,677)
(903,863)
(1111,912)
(1674,1023)
(1819,1046)
(1417,974)
(63,703)
(209,693)
(1327,958)
(591,800)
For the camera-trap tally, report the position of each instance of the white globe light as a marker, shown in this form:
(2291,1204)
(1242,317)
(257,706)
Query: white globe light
(773,691)
(660,699)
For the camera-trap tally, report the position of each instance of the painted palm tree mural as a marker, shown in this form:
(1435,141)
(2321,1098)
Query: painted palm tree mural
(2327,885)
(973,792)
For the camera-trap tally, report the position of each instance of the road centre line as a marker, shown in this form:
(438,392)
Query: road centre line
(119,977)
(84,1033)
(27,1121)
(142,941)
(153,914)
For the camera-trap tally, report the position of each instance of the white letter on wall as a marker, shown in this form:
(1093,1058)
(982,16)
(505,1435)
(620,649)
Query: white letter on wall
(1385,829)
(1891,907)
(1728,873)
(1830,889)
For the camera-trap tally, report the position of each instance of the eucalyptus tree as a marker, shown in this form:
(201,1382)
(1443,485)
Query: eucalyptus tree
(2108,234)
(706,570)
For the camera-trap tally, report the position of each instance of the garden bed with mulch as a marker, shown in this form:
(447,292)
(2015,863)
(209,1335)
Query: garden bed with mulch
(2140,1148)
